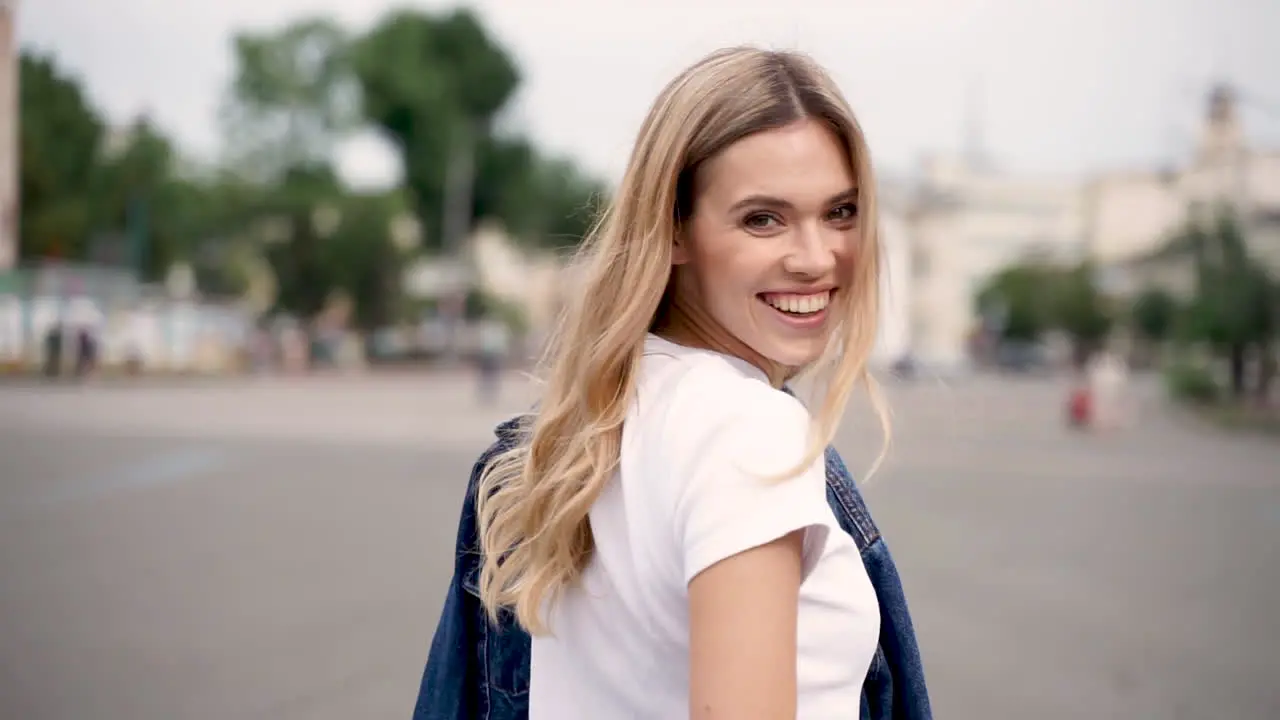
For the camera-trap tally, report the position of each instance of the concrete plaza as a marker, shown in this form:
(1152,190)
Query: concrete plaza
(279,549)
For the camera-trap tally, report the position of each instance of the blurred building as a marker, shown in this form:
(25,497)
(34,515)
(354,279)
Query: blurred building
(149,326)
(968,221)
(964,221)
(499,267)
(8,134)
(1134,214)
(894,338)
(525,278)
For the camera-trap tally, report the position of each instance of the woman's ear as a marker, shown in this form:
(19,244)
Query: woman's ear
(680,250)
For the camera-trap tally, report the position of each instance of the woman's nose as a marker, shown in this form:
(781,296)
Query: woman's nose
(812,252)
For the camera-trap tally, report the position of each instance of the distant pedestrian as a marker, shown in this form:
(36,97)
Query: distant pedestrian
(53,351)
(86,324)
(1079,406)
(86,352)
(1108,381)
(495,345)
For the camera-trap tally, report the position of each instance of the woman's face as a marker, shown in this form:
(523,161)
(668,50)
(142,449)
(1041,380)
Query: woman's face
(770,242)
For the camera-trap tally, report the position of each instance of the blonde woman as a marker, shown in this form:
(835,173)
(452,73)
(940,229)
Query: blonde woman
(663,537)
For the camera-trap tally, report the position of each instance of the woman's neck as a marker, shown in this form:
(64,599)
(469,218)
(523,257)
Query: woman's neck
(688,325)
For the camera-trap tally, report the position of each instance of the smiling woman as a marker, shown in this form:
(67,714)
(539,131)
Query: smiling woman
(665,527)
(772,235)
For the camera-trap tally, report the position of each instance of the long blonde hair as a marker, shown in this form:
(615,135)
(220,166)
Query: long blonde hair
(533,501)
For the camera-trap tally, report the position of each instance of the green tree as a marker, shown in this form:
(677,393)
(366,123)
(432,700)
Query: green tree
(548,201)
(1080,310)
(1154,314)
(1028,299)
(147,216)
(434,84)
(117,199)
(1234,308)
(59,135)
(326,239)
(292,97)
(1015,299)
(571,203)
(299,205)
(216,215)
(506,186)
(363,259)
(140,207)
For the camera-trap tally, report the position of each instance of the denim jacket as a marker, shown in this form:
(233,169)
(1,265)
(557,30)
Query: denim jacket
(477,670)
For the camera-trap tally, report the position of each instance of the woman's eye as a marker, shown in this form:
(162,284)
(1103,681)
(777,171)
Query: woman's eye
(760,221)
(843,213)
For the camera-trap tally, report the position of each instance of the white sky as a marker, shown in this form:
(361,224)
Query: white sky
(1066,86)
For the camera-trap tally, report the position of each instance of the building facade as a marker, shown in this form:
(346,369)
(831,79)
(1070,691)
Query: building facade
(967,222)
(894,337)
(1133,215)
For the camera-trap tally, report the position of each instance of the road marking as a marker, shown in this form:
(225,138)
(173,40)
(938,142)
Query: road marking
(154,470)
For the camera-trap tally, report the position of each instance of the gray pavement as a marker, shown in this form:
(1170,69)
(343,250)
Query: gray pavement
(279,549)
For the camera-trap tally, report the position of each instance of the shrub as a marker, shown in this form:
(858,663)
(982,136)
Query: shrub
(1192,383)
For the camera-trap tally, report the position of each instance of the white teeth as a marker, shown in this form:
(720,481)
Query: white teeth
(799,304)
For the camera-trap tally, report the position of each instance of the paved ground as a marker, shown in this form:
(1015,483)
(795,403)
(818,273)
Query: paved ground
(278,549)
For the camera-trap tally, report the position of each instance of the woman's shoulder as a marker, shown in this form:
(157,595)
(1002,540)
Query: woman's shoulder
(703,400)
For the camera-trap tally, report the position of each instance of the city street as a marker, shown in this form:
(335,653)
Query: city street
(279,549)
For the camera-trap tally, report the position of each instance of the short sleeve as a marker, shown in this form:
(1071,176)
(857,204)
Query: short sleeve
(732,498)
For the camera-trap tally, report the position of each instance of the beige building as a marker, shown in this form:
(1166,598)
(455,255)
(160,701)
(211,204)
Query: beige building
(9,207)
(967,222)
(531,280)
(1133,215)
(894,338)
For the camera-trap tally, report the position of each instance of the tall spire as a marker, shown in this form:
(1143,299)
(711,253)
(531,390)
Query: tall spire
(1221,134)
(975,141)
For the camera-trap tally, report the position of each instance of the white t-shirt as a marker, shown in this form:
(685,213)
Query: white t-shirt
(703,436)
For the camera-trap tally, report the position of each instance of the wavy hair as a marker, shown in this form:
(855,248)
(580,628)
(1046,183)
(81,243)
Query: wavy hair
(533,501)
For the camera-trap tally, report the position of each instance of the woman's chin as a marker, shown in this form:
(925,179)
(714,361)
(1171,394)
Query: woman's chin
(794,354)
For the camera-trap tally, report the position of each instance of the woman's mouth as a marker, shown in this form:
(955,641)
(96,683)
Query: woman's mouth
(799,309)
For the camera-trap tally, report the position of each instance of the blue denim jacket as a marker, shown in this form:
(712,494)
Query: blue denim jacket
(477,670)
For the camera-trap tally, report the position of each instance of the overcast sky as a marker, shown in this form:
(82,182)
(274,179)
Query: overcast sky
(1061,86)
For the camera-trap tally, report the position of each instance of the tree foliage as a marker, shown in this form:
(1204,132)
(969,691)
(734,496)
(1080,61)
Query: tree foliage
(1234,303)
(1026,300)
(60,135)
(434,86)
(1236,307)
(1014,301)
(292,97)
(432,83)
(90,195)
(1154,315)
(547,200)
(1080,309)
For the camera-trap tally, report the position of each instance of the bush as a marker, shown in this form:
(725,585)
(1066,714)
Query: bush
(1192,383)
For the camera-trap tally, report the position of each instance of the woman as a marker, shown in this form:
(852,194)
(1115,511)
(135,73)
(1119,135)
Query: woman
(665,527)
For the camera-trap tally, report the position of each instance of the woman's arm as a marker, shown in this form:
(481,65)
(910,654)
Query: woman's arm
(743,613)
(748,540)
